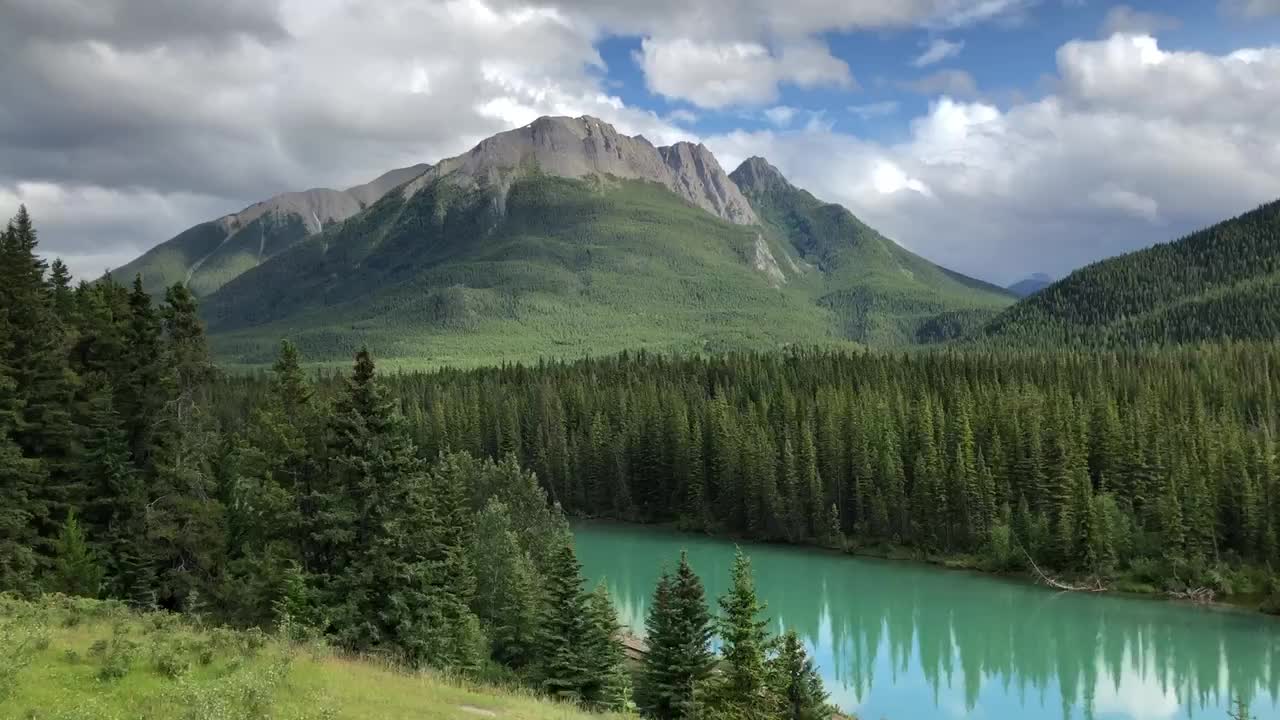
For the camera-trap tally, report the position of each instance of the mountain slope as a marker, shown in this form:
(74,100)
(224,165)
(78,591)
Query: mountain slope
(1030,285)
(561,238)
(1221,282)
(206,256)
(565,268)
(880,292)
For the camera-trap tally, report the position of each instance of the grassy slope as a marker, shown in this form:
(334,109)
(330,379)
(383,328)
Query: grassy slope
(205,257)
(62,680)
(572,268)
(881,293)
(1221,282)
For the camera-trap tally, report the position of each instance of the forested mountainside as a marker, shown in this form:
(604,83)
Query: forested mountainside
(210,254)
(880,293)
(564,239)
(1219,283)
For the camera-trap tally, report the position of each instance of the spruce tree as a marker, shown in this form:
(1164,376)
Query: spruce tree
(742,690)
(610,686)
(564,669)
(679,636)
(507,598)
(797,683)
(76,571)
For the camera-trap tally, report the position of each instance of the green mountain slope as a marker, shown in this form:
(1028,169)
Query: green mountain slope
(562,238)
(561,268)
(207,256)
(1221,282)
(879,292)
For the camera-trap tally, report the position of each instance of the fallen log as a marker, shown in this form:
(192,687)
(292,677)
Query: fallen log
(1053,582)
(1202,595)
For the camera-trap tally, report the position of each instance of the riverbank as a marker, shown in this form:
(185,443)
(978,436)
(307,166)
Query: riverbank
(1121,584)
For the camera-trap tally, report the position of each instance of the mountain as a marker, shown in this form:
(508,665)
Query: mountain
(879,292)
(206,256)
(1030,285)
(562,238)
(1221,282)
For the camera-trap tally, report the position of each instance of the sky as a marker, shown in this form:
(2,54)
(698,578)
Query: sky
(996,137)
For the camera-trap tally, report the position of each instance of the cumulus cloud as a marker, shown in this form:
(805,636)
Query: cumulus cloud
(257,98)
(737,19)
(1104,165)
(142,117)
(716,75)
(939,49)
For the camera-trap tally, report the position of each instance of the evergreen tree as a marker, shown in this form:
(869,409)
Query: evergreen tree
(507,598)
(797,683)
(742,690)
(564,669)
(610,687)
(679,636)
(75,569)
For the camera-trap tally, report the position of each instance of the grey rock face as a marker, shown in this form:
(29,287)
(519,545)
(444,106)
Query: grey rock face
(585,146)
(320,206)
(758,175)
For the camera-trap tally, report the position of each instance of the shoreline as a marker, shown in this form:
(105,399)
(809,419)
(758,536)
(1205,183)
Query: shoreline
(1248,605)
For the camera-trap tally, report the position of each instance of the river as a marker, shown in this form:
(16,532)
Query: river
(908,642)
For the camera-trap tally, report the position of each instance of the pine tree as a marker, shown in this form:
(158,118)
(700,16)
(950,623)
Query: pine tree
(43,384)
(564,669)
(797,683)
(610,687)
(679,636)
(75,569)
(117,506)
(507,600)
(742,690)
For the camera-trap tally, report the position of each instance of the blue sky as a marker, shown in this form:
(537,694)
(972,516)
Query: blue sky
(996,137)
(1011,58)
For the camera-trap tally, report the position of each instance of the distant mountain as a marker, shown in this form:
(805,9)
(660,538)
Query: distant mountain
(1030,285)
(880,293)
(562,238)
(1218,283)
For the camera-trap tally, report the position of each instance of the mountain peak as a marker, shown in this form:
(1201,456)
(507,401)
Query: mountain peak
(584,147)
(755,174)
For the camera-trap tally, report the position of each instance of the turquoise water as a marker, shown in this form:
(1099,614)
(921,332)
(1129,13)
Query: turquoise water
(906,641)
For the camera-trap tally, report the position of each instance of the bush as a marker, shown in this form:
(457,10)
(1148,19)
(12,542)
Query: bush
(170,660)
(116,654)
(19,641)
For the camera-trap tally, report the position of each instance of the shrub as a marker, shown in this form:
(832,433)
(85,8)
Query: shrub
(116,654)
(170,660)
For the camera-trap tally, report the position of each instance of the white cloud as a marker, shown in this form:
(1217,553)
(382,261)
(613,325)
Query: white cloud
(333,94)
(127,135)
(939,49)
(1107,164)
(781,115)
(868,111)
(1125,19)
(720,20)
(717,75)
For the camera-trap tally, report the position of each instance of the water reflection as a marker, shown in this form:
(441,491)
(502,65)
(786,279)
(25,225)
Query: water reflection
(897,640)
